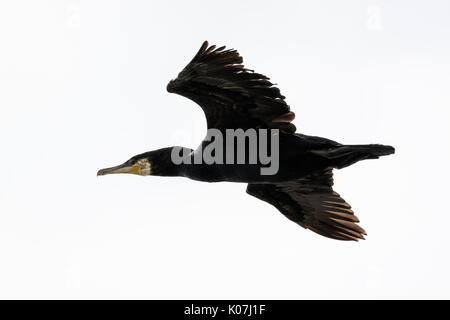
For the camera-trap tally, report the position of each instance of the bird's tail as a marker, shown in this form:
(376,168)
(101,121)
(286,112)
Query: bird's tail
(345,155)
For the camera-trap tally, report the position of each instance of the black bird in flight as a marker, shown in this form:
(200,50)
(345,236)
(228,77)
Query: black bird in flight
(233,97)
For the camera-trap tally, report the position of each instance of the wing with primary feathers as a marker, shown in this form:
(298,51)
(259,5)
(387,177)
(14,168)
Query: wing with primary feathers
(312,203)
(230,95)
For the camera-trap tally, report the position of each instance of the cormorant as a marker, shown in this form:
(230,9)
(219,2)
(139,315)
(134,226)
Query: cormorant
(233,97)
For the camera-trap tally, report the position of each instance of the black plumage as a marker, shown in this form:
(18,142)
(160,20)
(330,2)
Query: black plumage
(233,97)
(230,95)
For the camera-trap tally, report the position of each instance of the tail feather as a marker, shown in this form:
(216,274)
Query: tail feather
(343,156)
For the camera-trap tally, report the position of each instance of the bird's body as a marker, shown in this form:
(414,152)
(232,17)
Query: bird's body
(295,161)
(299,183)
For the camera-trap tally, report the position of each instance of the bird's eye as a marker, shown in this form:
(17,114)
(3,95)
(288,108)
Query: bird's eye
(132,161)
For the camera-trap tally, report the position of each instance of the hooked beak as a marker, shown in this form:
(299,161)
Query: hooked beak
(123,168)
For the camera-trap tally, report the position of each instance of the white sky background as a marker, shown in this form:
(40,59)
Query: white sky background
(82,86)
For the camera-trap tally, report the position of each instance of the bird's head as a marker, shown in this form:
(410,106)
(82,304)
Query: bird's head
(139,165)
(157,162)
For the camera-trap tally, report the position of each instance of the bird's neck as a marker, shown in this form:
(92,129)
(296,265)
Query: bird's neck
(170,162)
(164,165)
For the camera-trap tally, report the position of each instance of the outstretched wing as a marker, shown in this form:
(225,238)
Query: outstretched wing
(312,203)
(230,95)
